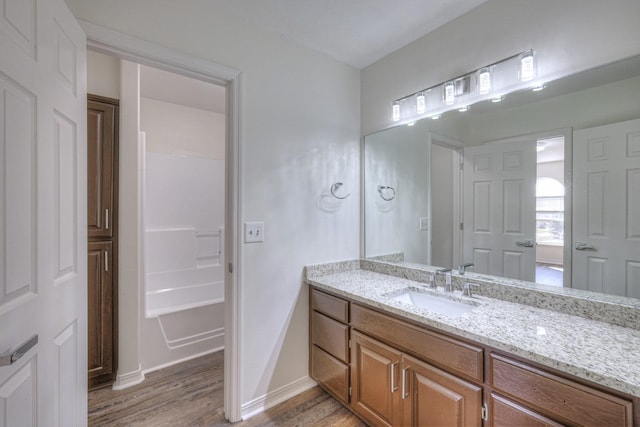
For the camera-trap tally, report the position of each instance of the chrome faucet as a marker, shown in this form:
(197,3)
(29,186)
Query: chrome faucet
(466,289)
(465,266)
(447,278)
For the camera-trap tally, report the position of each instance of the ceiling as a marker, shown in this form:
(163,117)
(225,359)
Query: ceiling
(355,32)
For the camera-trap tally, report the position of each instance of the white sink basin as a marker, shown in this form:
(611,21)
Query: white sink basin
(428,301)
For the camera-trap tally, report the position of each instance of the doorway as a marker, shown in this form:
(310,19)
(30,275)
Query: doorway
(550,203)
(126,47)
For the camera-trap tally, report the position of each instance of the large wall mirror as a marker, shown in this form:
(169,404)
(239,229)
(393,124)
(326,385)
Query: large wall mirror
(542,187)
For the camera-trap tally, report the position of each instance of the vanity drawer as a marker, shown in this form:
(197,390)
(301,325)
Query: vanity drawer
(330,305)
(331,336)
(330,373)
(569,401)
(455,356)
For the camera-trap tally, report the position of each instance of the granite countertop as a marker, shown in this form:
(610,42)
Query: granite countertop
(596,351)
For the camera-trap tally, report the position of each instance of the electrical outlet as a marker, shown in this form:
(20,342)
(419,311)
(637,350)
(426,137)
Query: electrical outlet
(424,223)
(254,232)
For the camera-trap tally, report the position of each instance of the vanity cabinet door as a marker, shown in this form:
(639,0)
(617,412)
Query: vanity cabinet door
(504,413)
(432,397)
(375,381)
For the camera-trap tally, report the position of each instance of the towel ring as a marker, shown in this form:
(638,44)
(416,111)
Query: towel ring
(381,188)
(335,187)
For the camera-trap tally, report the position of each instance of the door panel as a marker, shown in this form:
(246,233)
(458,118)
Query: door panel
(499,199)
(100,320)
(43,213)
(606,168)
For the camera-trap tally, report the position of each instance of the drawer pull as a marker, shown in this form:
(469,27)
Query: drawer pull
(393,379)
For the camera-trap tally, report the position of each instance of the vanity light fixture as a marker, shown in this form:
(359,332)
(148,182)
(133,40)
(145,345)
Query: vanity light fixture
(421,103)
(484,81)
(396,111)
(515,73)
(527,66)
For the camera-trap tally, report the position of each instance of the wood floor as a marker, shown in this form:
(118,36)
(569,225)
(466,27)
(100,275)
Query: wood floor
(191,394)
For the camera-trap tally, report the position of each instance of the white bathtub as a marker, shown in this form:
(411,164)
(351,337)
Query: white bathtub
(179,290)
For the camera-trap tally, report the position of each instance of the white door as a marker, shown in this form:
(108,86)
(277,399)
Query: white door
(606,209)
(43,256)
(499,208)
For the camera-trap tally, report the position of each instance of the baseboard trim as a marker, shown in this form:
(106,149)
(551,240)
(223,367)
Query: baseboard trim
(129,379)
(271,399)
(184,359)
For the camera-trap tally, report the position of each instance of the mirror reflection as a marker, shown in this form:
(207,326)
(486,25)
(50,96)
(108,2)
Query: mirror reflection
(543,186)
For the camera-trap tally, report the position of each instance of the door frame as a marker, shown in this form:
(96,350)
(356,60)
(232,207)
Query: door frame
(123,46)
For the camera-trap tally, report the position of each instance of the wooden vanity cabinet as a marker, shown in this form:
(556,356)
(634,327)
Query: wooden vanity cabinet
(375,381)
(433,397)
(329,351)
(401,374)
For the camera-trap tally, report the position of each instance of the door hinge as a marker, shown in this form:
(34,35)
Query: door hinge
(485,412)
(230,268)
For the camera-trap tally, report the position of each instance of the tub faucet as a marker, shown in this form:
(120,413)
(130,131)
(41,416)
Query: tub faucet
(447,278)
(465,266)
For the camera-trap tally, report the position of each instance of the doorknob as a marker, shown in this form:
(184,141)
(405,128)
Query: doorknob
(526,243)
(9,358)
(581,246)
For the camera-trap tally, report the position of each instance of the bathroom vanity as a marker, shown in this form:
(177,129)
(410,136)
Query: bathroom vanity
(509,359)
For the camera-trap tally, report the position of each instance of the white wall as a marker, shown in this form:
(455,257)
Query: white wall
(568,36)
(399,158)
(300,133)
(103,75)
(177,129)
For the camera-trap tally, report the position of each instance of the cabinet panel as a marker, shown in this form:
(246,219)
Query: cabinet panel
(331,336)
(330,373)
(101,157)
(330,305)
(375,381)
(433,397)
(555,396)
(100,313)
(505,413)
(458,357)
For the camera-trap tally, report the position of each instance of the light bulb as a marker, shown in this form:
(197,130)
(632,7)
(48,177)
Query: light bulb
(396,111)
(421,105)
(527,66)
(449,93)
(484,81)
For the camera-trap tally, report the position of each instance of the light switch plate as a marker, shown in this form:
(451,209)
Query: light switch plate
(254,232)
(424,223)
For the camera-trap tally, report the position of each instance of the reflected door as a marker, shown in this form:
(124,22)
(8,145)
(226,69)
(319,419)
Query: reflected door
(606,223)
(499,208)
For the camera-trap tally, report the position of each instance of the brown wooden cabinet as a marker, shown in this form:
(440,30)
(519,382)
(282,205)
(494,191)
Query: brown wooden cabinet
(433,397)
(100,316)
(403,374)
(375,381)
(102,222)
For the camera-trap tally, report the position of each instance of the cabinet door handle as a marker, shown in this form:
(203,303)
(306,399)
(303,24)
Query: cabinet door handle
(393,379)
(11,357)
(106,261)
(404,382)
(106,218)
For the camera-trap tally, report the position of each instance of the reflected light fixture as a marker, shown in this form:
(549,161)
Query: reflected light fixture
(411,123)
(527,66)
(435,117)
(538,88)
(463,109)
(497,98)
(449,93)
(484,81)
(421,104)
(396,111)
